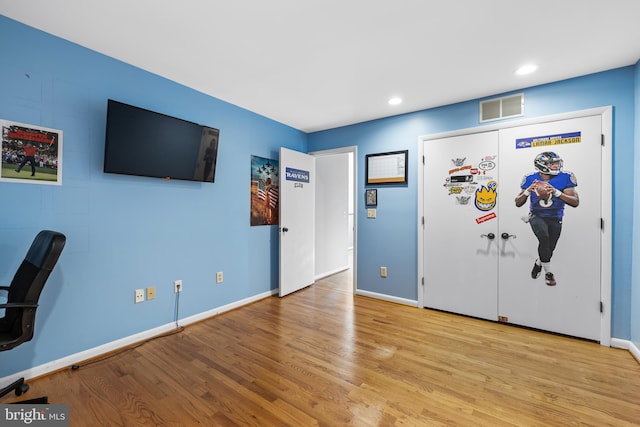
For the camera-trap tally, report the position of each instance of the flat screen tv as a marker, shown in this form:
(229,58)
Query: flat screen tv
(145,143)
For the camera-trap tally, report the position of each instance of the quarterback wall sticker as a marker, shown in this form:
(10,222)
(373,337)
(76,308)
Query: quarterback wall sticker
(548,190)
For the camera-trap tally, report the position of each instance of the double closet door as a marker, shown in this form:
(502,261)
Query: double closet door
(479,248)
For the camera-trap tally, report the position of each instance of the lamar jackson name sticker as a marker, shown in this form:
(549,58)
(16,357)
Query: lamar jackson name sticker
(547,140)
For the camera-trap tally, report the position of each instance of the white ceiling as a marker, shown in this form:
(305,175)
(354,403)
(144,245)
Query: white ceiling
(319,64)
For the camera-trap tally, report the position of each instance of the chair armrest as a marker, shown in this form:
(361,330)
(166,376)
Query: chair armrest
(6,289)
(18,305)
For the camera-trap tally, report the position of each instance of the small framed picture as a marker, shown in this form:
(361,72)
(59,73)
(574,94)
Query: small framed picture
(371,197)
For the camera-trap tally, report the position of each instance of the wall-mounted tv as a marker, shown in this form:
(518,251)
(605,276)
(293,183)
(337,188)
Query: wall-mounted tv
(145,143)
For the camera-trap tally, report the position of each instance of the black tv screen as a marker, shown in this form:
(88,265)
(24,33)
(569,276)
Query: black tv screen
(145,143)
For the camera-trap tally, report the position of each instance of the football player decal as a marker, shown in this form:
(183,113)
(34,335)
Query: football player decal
(548,189)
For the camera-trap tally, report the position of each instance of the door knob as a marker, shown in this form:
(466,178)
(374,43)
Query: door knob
(489,236)
(506,236)
(285,229)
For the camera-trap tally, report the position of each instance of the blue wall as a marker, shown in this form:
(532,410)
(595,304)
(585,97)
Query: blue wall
(126,232)
(635,292)
(391,239)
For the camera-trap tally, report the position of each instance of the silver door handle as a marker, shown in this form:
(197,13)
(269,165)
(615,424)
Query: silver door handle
(506,236)
(489,236)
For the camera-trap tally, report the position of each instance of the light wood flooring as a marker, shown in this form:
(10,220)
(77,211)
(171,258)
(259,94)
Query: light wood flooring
(325,357)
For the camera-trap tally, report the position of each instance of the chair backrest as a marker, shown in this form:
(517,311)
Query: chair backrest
(17,324)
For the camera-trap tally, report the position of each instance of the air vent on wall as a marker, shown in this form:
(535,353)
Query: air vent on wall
(502,108)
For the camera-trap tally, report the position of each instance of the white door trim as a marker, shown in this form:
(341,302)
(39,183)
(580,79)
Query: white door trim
(606,114)
(342,150)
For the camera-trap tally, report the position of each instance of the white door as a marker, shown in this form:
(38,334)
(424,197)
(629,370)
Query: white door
(461,224)
(297,207)
(572,306)
(478,262)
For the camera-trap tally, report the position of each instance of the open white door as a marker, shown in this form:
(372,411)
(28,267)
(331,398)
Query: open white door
(297,220)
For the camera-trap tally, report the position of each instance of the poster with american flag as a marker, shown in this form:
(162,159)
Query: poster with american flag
(264,191)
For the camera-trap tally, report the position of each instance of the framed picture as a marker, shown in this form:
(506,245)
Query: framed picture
(386,168)
(31,154)
(371,197)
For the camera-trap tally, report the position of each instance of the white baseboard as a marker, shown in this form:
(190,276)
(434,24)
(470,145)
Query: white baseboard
(236,304)
(331,273)
(628,345)
(76,358)
(413,303)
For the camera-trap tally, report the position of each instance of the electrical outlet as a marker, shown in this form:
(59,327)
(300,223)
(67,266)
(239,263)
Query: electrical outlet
(151,293)
(177,286)
(383,271)
(139,295)
(219,277)
(371,213)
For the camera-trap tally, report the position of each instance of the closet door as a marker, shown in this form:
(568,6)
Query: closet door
(572,306)
(461,225)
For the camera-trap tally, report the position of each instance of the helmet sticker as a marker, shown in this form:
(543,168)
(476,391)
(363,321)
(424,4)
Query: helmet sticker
(548,163)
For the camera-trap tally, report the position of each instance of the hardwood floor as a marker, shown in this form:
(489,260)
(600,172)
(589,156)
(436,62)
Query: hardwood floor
(325,357)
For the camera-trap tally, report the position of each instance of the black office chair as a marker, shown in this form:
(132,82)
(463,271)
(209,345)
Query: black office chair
(16,327)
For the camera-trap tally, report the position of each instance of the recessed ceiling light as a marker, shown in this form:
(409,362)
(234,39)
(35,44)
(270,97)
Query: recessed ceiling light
(395,100)
(526,69)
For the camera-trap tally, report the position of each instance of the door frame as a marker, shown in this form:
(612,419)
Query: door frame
(606,114)
(343,150)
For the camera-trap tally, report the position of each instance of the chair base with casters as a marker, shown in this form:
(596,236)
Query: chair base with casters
(17,324)
(19,386)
